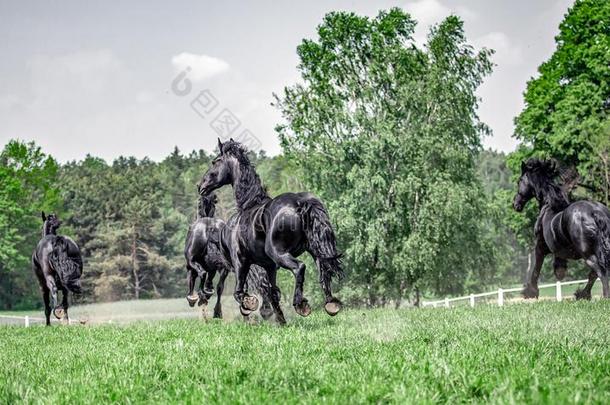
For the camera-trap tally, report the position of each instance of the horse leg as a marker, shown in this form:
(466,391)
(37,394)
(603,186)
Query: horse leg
(593,263)
(219,289)
(332,305)
(286,260)
(47,305)
(64,303)
(247,303)
(275,295)
(560,268)
(206,287)
(531,289)
(585,292)
(191,278)
(58,311)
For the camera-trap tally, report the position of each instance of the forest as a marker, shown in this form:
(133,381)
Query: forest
(384,131)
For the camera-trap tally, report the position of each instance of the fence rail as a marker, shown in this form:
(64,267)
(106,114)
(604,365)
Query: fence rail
(499,293)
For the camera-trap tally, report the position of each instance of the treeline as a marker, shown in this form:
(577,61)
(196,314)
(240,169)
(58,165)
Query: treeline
(130,219)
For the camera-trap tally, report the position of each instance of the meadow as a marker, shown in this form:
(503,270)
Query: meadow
(543,352)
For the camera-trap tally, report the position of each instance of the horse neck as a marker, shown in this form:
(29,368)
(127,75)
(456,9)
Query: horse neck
(46,230)
(247,187)
(551,197)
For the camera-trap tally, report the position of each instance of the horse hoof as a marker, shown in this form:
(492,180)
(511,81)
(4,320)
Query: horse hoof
(266,312)
(529,292)
(245,311)
(304,309)
(192,300)
(333,307)
(250,302)
(59,312)
(217,315)
(581,295)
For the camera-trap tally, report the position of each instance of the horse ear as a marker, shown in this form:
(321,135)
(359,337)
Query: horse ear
(231,139)
(44,217)
(220,146)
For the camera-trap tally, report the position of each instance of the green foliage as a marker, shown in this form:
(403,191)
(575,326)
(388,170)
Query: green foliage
(567,105)
(542,353)
(27,186)
(387,134)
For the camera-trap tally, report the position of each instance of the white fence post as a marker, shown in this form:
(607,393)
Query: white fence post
(558,291)
(500,297)
(27,321)
(472,300)
(446,302)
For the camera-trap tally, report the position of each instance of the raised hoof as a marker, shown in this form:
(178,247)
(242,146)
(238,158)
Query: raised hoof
(250,302)
(582,295)
(192,300)
(266,312)
(245,311)
(333,307)
(58,312)
(530,292)
(560,273)
(304,309)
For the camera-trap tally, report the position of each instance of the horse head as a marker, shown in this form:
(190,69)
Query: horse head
(534,174)
(220,172)
(50,224)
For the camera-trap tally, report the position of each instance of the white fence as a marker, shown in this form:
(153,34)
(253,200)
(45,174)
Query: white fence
(499,294)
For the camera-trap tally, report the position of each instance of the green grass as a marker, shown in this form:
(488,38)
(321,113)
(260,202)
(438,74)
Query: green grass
(543,353)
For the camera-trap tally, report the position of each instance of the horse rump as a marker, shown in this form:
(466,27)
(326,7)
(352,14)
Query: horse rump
(602,221)
(69,269)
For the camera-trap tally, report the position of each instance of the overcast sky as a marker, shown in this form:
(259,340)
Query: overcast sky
(83,77)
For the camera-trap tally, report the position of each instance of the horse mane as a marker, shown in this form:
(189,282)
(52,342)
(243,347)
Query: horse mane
(249,190)
(206,206)
(548,192)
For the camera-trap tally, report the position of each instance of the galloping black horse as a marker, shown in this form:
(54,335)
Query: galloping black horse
(272,233)
(204,258)
(578,230)
(57,263)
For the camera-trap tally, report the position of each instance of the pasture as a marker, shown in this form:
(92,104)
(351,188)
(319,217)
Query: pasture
(542,352)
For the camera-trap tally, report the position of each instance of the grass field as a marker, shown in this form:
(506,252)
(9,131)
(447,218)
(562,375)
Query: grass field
(544,352)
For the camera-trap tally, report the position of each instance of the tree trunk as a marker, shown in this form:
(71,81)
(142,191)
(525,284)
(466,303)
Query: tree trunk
(135,267)
(417,301)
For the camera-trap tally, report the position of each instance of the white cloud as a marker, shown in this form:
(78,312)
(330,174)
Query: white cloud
(506,54)
(201,66)
(427,12)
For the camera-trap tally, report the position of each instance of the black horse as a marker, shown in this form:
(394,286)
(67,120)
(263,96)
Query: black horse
(57,263)
(204,259)
(578,230)
(272,233)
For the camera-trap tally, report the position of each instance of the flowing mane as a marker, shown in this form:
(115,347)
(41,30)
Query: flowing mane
(249,191)
(548,192)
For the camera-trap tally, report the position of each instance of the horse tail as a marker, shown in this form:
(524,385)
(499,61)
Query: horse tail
(258,281)
(321,240)
(68,268)
(603,246)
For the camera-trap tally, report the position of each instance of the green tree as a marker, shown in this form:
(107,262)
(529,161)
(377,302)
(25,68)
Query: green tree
(567,105)
(27,186)
(386,134)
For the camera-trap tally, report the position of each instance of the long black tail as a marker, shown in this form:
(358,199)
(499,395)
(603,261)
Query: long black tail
(68,268)
(321,240)
(603,245)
